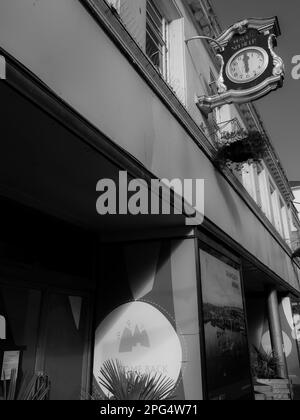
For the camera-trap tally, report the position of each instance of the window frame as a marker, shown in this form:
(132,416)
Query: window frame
(284,220)
(276,209)
(162,36)
(263,191)
(260,186)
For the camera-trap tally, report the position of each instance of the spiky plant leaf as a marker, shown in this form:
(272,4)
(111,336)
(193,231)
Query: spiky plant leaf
(35,388)
(125,385)
(264,365)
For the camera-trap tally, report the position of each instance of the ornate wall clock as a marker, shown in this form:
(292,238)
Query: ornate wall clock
(250,68)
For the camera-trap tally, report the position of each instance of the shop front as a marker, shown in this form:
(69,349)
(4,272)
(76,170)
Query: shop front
(178,311)
(78,290)
(45,301)
(66,273)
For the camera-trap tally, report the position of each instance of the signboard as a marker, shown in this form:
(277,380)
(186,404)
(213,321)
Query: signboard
(10,362)
(227,354)
(2,68)
(142,338)
(2,328)
(250,68)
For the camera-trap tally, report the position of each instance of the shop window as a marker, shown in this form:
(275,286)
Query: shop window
(32,342)
(225,330)
(19,324)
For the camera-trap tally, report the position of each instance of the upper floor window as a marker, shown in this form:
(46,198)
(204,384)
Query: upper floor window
(263,199)
(157,38)
(276,210)
(285,220)
(263,190)
(158,27)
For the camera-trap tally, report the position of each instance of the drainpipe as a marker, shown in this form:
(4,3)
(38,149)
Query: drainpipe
(276,332)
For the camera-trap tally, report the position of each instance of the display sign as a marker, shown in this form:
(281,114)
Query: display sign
(226,347)
(142,338)
(2,328)
(2,68)
(250,68)
(10,362)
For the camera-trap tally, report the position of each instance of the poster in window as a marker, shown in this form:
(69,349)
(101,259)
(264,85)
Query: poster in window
(227,353)
(10,362)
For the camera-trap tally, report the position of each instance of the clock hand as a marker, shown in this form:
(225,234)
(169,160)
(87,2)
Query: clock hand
(246,60)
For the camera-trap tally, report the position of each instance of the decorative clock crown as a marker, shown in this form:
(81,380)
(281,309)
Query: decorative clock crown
(267,26)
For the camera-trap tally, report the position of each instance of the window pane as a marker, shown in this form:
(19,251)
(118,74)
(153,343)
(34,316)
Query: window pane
(156,48)
(263,191)
(154,15)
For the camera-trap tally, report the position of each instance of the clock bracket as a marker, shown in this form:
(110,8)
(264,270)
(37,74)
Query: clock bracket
(268,30)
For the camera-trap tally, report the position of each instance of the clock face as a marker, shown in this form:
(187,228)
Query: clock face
(247,65)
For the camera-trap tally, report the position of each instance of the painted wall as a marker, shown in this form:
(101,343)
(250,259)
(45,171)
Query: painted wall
(62,44)
(162,275)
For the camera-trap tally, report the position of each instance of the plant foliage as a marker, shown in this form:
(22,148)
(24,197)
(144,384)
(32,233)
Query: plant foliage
(123,385)
(238,148)
(35,388)
(264,365)
(296,253)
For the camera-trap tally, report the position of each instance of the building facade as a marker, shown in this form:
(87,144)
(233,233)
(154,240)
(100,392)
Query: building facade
(94,88)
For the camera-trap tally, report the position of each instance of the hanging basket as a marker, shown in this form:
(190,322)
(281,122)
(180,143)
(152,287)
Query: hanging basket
(296,253)
(237,149)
